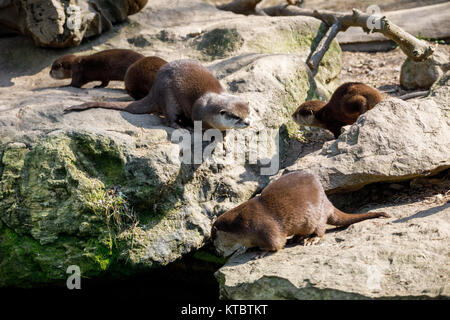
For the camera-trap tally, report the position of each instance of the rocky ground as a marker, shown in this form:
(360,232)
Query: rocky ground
(60,174)
(380,70)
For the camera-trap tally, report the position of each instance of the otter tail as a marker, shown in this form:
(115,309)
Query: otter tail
(339,218)
(137,107)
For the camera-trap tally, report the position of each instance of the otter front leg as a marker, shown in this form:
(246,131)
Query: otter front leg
(315,238)
(172,110)
(269,239)
(77,79)
(103,84)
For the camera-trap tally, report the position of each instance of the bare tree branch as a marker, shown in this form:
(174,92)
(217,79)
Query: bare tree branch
(412,95)
(417,50)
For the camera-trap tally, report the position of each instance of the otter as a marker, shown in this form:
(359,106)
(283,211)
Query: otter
(185,90)
(347,103)
(141,75)
(102,66)
(293,205)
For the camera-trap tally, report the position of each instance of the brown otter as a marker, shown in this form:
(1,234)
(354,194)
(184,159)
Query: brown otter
(347,103)
(293,205)
(102,66)
(141,75)
(185,90)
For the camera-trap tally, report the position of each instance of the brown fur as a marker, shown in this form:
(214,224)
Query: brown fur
(103,66)
(141,75)
(347,103)
(293,205)
(185,90)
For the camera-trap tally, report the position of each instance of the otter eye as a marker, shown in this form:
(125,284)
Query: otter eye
(222,112)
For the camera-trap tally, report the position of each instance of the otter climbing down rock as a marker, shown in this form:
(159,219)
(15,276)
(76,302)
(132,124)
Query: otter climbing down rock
(103,66)
(347,103)
(141,75)
(293,205)
(185,90)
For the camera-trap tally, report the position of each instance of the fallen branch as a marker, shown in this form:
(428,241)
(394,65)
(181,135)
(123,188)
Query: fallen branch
(417,50)
(412,95)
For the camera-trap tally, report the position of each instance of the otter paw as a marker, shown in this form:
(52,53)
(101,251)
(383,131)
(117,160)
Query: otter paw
(311,241)
(260,255)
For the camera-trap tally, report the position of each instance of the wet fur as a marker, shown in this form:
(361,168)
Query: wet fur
(103,66)
(347,103)
(293,205)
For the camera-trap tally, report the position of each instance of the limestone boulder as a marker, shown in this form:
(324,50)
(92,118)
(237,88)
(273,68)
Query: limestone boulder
(404,257)
(422,75)
(62,23)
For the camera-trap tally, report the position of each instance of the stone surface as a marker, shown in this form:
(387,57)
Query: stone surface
(106,190)
(422,75)
(405,256)
(63,23)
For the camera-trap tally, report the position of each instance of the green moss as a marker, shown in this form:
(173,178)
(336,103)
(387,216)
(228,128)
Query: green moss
(24,262)
(220,43)
(101,157)
(301,40)
(281,41)
(48,219)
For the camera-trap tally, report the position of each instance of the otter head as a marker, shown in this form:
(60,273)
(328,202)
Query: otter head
(224,111)
(306,113)
(226,243)
(62,67)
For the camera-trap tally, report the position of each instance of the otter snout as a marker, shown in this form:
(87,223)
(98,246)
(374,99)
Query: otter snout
(246,122)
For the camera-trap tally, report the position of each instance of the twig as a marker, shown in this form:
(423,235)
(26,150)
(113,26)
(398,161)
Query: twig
(412,95)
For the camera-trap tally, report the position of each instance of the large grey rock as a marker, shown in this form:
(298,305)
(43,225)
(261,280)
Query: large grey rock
(422,75)
(394,141)
(107,190)
(63,23)
(405,256)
